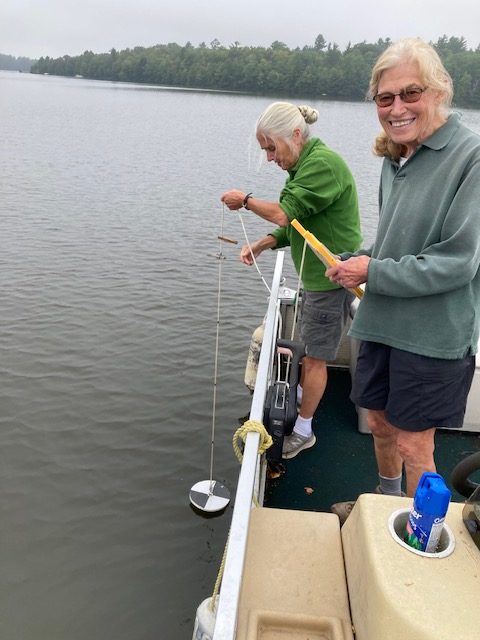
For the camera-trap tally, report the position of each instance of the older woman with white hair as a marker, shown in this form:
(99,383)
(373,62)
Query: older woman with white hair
(419,318)
(320,192)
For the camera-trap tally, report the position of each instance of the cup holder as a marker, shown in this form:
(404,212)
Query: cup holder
(396,525)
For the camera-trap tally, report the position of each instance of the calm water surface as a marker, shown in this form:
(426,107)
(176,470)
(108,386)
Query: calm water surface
(109,214)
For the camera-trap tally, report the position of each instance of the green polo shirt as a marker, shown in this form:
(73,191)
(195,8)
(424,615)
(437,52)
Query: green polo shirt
(423,288)
(320,192)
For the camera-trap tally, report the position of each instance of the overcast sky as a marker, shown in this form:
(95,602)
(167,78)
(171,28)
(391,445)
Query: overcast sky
(35,28)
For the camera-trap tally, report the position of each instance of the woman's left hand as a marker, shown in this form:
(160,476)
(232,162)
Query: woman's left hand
(233,199)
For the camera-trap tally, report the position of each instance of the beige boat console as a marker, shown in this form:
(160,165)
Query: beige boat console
(396,593)
(295,586)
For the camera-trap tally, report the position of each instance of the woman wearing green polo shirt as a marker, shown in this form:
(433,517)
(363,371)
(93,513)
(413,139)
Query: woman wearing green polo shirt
(320,192)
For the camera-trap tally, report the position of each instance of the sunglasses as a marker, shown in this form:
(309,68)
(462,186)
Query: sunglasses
(408,95)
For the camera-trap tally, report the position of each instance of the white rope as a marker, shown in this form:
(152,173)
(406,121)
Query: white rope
(297,296)
(295,312)
(251,252)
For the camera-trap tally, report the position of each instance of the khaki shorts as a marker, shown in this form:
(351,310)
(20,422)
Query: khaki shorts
(323,316)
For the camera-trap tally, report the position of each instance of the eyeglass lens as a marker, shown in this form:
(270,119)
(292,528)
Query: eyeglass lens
(406,95)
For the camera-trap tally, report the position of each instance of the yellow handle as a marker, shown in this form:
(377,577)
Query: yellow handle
(321,251)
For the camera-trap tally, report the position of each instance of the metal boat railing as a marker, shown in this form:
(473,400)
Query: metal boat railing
(249,482)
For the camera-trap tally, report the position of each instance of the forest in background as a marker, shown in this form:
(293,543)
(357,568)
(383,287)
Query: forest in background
(321,70)
(11,63)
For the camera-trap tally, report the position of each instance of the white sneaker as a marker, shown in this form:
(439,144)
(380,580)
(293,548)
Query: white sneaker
(295,443)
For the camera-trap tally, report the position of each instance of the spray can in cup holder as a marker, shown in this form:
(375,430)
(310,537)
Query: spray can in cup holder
(427,516)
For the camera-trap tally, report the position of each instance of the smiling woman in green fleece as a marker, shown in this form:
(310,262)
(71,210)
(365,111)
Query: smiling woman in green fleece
(419,318)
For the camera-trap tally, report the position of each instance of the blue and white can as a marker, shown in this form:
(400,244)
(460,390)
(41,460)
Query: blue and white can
(426,519)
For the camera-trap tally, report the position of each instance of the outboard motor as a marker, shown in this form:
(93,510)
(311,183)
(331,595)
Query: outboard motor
(280,410)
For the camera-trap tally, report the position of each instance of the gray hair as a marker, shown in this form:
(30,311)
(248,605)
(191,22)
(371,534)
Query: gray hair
(280,119)
(415,51)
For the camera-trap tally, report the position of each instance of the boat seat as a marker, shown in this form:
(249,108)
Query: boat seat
(294,583)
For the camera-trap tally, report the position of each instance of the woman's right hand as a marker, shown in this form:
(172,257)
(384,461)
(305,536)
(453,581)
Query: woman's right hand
(233,199)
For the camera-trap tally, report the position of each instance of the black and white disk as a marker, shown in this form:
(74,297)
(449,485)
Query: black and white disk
(209,495)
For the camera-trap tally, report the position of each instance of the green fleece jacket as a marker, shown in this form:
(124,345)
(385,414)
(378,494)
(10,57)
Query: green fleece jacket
(423,288)
(320,192)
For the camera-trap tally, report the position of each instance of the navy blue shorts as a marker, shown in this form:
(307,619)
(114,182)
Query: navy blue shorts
(416,392)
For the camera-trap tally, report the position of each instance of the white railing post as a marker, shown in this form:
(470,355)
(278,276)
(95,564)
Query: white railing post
(226,618)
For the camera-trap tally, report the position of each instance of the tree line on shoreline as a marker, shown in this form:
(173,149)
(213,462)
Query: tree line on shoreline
(11,63)
(318,71)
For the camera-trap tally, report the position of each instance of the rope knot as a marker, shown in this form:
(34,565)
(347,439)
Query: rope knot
(242,432)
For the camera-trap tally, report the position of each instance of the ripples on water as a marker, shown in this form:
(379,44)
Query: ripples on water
(109,217)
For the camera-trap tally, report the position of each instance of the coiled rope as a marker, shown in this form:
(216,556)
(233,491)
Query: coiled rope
(246,428)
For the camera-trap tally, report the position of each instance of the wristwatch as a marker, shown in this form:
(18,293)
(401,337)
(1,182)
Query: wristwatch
(246,199)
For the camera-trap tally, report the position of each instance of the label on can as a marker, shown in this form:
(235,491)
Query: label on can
(423,531)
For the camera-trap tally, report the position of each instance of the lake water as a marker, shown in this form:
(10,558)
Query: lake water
(109,214)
